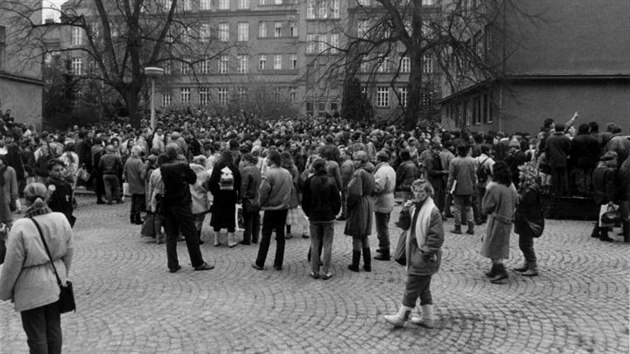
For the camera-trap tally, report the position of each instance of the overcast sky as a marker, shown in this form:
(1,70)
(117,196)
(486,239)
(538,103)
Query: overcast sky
(51,13)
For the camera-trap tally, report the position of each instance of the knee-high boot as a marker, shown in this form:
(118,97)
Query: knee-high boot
(367,259)
(356,256)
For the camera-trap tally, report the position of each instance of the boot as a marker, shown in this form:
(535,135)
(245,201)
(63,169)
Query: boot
(231,239)
(457,230)
(595,233)
(383,255)
(427,320)
(217,239)
(492,272)
(471,228)
(500,275)
(532,271)
(522,268)
(367,259)
(626,231)
(399,319)
(603,235)
(356,255)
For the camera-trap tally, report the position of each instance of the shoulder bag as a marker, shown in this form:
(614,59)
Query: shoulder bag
(66,295)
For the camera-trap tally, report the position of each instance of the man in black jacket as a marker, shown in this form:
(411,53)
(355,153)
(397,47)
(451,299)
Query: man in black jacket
(60,199)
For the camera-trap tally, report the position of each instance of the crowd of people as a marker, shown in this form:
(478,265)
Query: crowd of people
(306,174)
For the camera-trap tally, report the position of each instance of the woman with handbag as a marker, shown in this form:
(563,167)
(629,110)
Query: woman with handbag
(423,242)
(604,192)
(29,278)
(529,221)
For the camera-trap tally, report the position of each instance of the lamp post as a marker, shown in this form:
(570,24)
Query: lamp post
(153,72)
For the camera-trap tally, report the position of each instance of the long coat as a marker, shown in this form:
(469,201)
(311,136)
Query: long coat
(224,204)
(426,257)
(499,203)
(529,210)
(360,204)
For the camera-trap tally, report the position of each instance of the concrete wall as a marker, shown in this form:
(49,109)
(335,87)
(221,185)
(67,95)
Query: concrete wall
(23,99)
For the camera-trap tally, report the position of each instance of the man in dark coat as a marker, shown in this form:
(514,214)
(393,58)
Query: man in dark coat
(585,151)
(61,198)
(558,149)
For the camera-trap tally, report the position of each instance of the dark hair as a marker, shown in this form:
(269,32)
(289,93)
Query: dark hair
(404,154)
(593,127)
(52,163)
(319,166)
(583,129)
(559,127)
(275,158)
(547,123)
(485,149)
(462,149)
(501,173)
(250,158)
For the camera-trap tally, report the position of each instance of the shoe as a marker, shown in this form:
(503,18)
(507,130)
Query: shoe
(492,272)
(181,238)
(383,255)
(109,203)
(606,239)
(174,270)
(119,201)
(500,274)
(456,231)
(245,243)
(341,218)
(367,259)
(257,267)
(231,240)
(470,232)
(530,273)
(305,236)
(522,268)
(100,202)
(288,236)
(379,250)
(277,267)
(326,276)
(354,268)
(204,266)
(314,275)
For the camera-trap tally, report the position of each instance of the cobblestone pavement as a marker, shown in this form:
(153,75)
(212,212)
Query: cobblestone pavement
(129,303)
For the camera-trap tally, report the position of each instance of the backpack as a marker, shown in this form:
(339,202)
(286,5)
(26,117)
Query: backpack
(482,172)
(226,182)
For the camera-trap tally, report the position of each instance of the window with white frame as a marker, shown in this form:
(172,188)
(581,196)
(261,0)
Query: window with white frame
(322,43)
(186,37)
(334,8)
(77,66)
(277,61)
(278,2)
(293,94)
(277,29)
(205,4)
(224,4)
(428,2)
(362,28)
(293,30)
(77,36)
(224,61)
(186,5)
(323,10)
(185,68)
(311,43)
(334,43)
(262,29)
(383,65)
(243,4)
(427,64)
(293,61)
(243,63)
(184,95)
(167,99)
(242,93)
(262,62)
(364,2)
(310,9)
(405,65)
(382,96)
(204,96)
(204,66)
(243,31)
(402,91)
(224,32)
(262,2)
(276,94)
(204,32)
(224,95)
(167,67)
(365,66)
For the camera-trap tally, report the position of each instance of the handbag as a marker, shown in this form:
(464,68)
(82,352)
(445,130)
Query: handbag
(66,295)
(83,175)
(148,226)
(609,215)
(400,253)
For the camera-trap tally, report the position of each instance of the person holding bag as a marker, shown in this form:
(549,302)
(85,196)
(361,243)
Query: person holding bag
(29,278)
(529,221)
(423,254)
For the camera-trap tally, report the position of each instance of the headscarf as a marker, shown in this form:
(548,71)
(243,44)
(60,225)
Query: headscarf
(36,194)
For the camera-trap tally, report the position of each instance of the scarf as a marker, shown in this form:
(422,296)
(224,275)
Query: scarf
(38,207)
(420,227)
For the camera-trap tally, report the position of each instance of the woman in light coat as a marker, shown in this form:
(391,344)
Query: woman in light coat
(423,241)
(27,277)
(499,203)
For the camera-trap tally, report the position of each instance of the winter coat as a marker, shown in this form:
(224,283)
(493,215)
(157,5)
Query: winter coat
(224,202)
(462,170)
(198,192)
(250,182)
(320,198)
(623,180)
(406,173)
(558,148)
(275,189)
(528,210)
(499,202)
(585,151)
(425,251)
(604,188)
(8,196)
(384,186)
(360,204)
(27,277)
(134,173)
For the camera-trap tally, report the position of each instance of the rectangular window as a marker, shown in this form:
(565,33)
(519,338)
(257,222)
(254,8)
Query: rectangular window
(167,99)
(310,9)
(322,44)
(167,67)
(365,66)
(476,110)
(184,96)
(426,98)
(243,31)
(383,65)
(224,61)
(205,4)
(204,66)
(262,29)
(77,66)
(204,96)
(323,10)
(77,36)
(309,108)
(293,61)
(293,94)
(382,96)
(277,62)
(242,93)
(428,2)
(334,8)
(311,43)
(277,29)
(334,43)
(243,63)
(363,28)
(262,62)
(293,30)
(224,4)
(321,107)
(204,32)
(427,64)
(405,65)
(186,5)
(243,4)
(224,95)
(224,32)
(262,2)
(489,108)
(334,106)
(364,2)
(185,68)
(403,96)
(276,94)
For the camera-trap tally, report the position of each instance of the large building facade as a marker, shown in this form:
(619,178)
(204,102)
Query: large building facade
(568,56)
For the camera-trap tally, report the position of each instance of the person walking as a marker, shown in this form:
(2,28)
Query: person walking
(360,211)
(27,277)
(423,249)
(385,184)
(250,183)
(528,218)
(224,184)
(274,196)
(499,204)
(176,209)
(321,202)
(461,183)
(134,173)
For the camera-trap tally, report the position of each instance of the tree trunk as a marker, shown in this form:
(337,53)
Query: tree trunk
(132,99)
(414,90)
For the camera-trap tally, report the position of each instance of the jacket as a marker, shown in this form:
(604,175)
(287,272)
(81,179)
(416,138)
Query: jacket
(320,198)
(250,182)
(134,173)
(110,164)
(425,259)
(406,173)
(604,189)
(462,170)
(275,189)
(27,277)
(558,148)
(177,176)
(385,184)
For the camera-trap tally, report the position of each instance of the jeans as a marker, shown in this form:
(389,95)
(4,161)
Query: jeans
(381,220)
(272,220)
(43,329)
(462,203)
(251,219)
(526,244)
(112,187)
(138,205)
(418,286)
(180,219)
(321,232)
